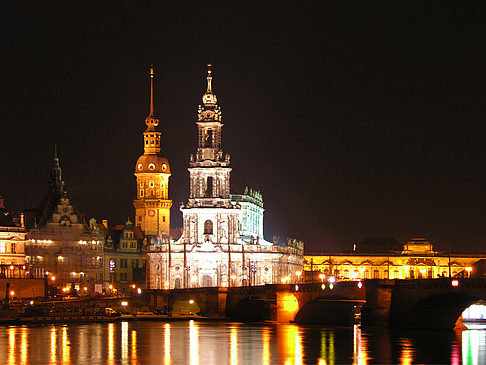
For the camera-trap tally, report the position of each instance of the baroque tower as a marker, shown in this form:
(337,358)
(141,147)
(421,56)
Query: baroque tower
(152,206)
(209,216)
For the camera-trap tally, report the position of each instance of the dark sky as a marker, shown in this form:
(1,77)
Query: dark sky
(354,119)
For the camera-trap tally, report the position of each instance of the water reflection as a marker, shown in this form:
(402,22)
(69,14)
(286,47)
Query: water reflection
(111,343)
(233,346)
(231,343)
(194,342)
(53,345)
(266,346)
(167,344)
(11,345)
(134,346)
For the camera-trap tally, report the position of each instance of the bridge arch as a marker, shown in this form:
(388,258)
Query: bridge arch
(440,311)
(335,311)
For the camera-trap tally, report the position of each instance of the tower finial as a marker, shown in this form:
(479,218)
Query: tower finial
(209,98)
(209,78)
(55,152)
(151,91)
(151,120)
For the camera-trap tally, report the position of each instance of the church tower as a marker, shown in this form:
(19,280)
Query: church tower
(209,216)
(152,206)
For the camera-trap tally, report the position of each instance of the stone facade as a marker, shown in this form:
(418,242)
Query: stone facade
(216,248)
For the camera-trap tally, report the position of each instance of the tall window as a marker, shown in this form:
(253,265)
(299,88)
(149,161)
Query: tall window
(12,248)
(208,139)
(209,187)
(208,227)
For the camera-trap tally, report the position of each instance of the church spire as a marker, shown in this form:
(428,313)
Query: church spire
(151,120)
(55,182)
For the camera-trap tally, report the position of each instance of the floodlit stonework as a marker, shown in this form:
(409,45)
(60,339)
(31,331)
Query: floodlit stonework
(222,242)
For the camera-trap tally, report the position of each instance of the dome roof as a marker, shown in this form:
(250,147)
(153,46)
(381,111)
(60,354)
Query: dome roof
(152,163)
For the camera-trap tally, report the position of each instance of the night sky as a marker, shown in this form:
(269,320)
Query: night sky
(354,119)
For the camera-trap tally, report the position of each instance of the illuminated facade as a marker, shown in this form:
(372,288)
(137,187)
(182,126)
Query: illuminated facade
(124,259)
(251,215)
(152,206)
(416,260)
(216,248)
(12,244)
(60,243)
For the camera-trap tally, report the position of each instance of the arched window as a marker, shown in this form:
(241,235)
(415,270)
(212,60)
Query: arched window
(208,227)
(177,283)
(376,274)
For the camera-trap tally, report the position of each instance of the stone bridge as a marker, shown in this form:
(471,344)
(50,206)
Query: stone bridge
(420,303)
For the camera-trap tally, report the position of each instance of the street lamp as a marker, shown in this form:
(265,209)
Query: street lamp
(233,277)
(322,276)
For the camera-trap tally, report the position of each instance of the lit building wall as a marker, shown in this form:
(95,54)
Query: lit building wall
(418,260)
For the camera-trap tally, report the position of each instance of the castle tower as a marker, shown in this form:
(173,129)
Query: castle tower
(152,206)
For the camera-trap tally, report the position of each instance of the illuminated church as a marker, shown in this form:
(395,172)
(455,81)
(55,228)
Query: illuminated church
(222,240)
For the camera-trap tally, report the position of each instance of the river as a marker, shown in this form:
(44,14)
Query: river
(191,342)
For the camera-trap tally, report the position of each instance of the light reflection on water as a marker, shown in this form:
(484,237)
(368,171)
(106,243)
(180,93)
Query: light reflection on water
(233,343)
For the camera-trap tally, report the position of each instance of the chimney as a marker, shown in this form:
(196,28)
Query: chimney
(1,202)
(105,223)
(22,220)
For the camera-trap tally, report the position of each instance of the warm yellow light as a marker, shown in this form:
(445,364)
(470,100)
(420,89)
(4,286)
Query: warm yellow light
(233,277)
(191,301)
(12,293)
(85,289)
(322,276)
(455,282)
(53,278)
(124,304)
(110,286)
(11,267)
(406,268)
(423,271)
(290,303)
(298,273)
(468,269)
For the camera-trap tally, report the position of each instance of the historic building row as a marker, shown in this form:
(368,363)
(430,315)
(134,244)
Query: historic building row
(417,259)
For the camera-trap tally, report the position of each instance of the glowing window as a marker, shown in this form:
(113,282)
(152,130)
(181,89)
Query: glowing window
(208,227)
(141,192)
(151,184)
(151,166)
(140,166)
(164,167)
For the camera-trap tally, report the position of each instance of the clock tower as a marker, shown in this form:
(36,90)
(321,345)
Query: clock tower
(152,206)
